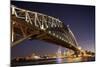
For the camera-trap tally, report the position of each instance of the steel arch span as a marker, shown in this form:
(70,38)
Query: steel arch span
(33,25)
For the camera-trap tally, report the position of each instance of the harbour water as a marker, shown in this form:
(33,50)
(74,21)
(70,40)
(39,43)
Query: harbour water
(52,61)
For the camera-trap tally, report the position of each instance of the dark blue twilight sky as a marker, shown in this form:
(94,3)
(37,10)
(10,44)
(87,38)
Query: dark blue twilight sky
(80,18)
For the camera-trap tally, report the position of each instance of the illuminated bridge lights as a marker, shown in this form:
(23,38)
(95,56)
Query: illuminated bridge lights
(42,27)
(53,34)
(57,36)
(14,22)
(49,32)
(79,48)
(55,25)
(62,39)
(47,26)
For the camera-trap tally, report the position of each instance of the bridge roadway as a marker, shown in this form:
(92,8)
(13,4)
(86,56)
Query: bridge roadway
(33,25)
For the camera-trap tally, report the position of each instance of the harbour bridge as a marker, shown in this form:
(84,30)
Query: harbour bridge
(33,25)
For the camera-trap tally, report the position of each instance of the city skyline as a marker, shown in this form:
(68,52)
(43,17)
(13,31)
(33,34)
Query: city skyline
(81,20)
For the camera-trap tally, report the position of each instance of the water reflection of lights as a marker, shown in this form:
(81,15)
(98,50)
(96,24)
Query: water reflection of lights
(74,59)
(59,60)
